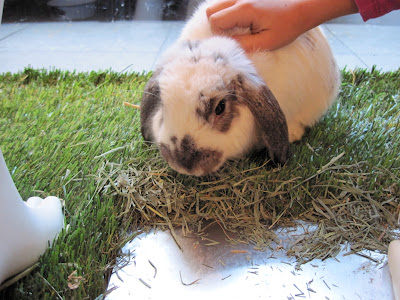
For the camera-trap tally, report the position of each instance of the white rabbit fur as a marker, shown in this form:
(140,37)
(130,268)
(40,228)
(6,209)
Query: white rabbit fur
(302,76)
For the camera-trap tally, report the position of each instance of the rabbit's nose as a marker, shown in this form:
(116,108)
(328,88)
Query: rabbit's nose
(185,157)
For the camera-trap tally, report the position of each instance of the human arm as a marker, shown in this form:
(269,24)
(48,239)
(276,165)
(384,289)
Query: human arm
(274,23)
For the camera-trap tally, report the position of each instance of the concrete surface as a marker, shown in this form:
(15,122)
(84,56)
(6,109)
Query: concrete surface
(136,45)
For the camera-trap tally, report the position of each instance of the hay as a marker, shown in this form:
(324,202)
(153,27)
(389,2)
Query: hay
(248,204)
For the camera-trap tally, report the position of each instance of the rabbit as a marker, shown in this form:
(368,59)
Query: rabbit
(208,101)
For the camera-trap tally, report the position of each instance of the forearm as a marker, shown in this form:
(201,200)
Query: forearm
(317,12)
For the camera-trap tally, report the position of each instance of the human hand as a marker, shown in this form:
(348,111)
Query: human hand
(273,23)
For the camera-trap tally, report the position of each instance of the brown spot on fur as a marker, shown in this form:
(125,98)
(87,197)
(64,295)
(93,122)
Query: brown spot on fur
(150,104)
(205,110)
(187,156)
(271,121)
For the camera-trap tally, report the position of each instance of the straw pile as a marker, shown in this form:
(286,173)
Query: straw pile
(248,203)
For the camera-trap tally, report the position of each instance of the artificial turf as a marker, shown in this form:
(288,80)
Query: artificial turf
(58,128)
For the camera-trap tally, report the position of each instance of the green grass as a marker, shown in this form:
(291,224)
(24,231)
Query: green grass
(54,124)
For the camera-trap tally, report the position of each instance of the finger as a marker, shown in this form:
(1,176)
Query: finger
(229,18)
(212,9)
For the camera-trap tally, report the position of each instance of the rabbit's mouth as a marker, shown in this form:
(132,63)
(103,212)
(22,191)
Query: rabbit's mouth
(184,157)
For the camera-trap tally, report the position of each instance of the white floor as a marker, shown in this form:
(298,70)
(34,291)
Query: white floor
(136,45)
(85,46)
(158,269)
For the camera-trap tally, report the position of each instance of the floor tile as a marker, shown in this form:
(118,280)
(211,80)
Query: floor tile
(139,44)
(365,46)
(80,62)
(90,37)
(382,62)
(85,46)
(8,31)
(350,62)
(368,39)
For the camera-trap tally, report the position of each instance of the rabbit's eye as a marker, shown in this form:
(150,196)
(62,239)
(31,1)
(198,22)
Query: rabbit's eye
(220,108)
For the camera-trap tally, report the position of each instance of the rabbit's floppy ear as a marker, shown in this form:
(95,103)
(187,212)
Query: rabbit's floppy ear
(149,105)
(270,120)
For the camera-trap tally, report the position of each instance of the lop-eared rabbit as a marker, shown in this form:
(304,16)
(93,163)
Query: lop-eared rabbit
(208,101)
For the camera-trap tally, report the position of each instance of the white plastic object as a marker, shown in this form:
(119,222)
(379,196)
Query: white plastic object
(394,266)
(26,228)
